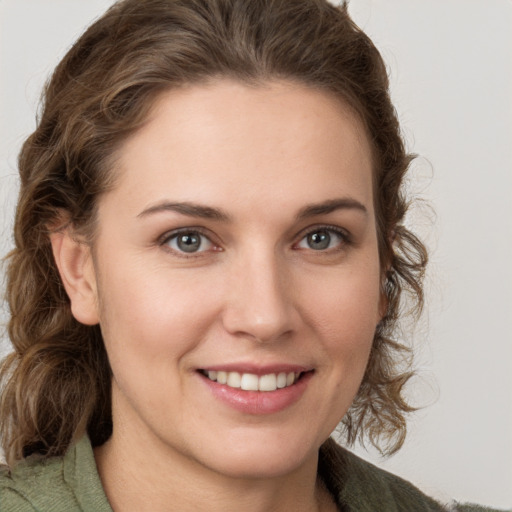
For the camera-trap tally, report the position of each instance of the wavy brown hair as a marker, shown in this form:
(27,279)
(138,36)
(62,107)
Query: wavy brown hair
(56,383)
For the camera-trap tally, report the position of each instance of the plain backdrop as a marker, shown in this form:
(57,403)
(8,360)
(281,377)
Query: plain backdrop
(450,63)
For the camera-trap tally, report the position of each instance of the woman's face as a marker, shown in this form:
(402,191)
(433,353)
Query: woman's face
(239,245)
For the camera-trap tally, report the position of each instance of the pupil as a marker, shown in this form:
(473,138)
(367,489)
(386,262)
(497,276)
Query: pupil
(319,240)
(189,242)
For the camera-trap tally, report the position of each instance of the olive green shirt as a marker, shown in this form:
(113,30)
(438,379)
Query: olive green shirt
(71,484)
(60,484)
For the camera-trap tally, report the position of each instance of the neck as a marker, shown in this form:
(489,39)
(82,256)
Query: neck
(148,476)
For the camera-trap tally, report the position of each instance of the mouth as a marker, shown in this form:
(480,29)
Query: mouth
(252,382)
(257,390)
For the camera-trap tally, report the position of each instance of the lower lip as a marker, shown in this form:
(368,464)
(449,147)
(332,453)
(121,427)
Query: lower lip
(259,402)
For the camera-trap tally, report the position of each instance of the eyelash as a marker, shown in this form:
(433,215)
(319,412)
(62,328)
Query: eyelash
(164,240)
(343,235)
(173,235)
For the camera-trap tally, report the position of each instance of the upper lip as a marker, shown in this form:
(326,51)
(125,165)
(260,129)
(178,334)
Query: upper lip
(257,369)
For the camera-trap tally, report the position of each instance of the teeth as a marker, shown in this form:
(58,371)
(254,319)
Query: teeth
(251,382)
(268,382)
(234,380)
(281,380)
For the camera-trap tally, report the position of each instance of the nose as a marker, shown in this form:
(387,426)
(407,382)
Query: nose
(260,303)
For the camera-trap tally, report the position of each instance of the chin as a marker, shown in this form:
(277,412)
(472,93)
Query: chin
(261,456)
(258,466)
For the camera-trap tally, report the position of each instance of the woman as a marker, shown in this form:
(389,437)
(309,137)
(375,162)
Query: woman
(208,268)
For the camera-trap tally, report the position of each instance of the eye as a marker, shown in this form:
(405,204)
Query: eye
(188,242)
(322,239)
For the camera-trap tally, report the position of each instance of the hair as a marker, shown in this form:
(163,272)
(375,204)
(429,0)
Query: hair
(56,383)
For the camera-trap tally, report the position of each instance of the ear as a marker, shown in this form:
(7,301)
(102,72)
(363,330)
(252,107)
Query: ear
(383,298)
(76,269)
(386,269)
(383,305)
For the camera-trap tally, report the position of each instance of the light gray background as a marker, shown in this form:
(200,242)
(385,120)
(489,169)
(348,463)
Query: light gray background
(451,75)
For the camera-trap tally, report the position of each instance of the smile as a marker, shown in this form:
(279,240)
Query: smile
(257,390)
(252,382)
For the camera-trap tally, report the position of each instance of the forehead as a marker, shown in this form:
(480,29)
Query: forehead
(227,141)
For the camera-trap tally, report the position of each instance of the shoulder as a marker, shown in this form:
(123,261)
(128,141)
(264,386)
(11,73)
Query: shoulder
(68,483)
(362,486)
(25,486)
(359,485)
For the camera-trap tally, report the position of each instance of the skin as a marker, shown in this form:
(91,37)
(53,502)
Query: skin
(255,292)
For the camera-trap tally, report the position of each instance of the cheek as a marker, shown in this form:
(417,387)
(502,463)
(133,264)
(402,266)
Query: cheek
(346,306)
(150,317)
(344,315)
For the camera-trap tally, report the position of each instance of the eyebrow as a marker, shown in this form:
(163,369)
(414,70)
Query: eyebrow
(189,209)
(208,212)
(330,206)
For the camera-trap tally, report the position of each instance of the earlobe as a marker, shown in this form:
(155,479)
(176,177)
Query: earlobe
(75,265)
